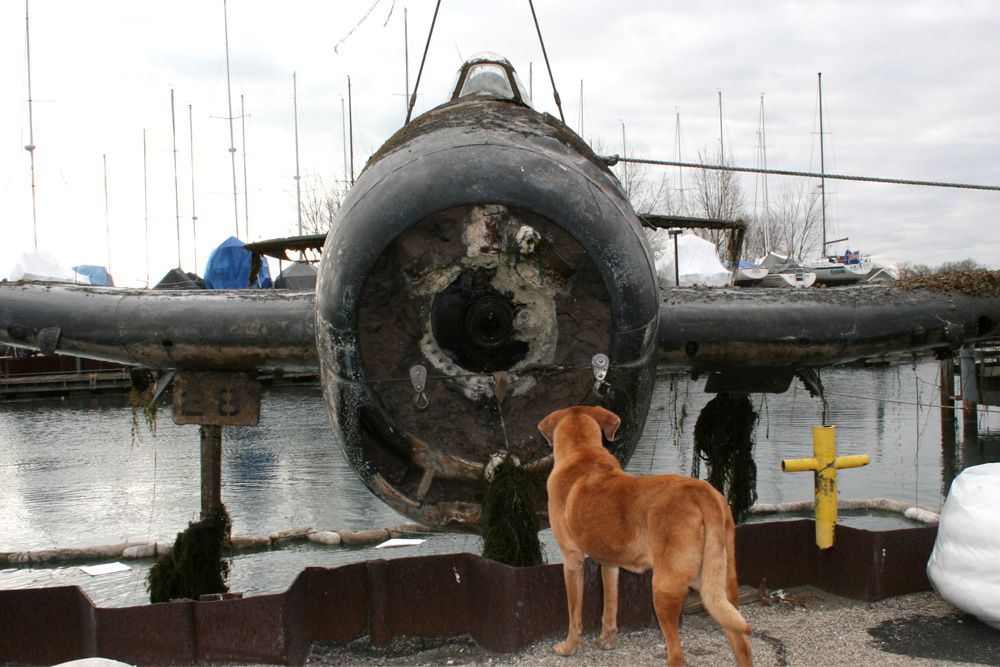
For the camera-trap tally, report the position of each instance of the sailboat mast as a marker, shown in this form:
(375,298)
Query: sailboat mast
(406,57)
(677,142)
(246,190)
(232,141)
(145,202)
(350,125)
(177,197)
(822,165)
(194,218)
(107,216)
(763,182)
(298,190)
(722,148)
(31,132)
(343,130)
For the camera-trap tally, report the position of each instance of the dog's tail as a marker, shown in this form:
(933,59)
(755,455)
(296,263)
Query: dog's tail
(718,573)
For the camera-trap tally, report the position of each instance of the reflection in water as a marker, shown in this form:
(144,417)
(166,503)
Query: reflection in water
(723,439)
(70,474)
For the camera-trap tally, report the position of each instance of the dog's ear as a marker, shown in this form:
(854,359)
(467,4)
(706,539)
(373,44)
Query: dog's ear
(548,425)
(608,421)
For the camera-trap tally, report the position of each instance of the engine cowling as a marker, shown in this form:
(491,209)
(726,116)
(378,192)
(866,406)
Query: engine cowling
(486,244)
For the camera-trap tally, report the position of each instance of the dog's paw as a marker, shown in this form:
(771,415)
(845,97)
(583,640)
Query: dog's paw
(566,648)
(608,641)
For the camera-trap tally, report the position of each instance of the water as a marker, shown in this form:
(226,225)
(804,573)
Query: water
(71,473)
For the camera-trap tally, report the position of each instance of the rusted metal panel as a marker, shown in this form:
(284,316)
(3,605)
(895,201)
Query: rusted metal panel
(218,399)
(502,608)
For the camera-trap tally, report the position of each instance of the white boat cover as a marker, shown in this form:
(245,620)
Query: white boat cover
(41,265)
(964,567)
(697,259)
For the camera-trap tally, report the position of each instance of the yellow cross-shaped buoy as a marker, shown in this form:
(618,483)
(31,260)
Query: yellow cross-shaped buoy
(824,464)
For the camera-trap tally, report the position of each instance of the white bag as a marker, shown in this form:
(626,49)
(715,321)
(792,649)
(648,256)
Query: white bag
(964,567)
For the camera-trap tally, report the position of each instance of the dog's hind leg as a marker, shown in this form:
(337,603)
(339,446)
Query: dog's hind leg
(609,621)
(669,590)
(573,573)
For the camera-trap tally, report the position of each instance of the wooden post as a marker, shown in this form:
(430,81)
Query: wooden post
(947,391)
(970,394)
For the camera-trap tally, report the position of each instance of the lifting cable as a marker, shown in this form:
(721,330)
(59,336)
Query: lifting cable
(555,92)
(413,98)
(615,159)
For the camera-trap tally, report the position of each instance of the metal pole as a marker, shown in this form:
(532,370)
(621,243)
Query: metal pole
(822,164)
(107,217)
(177,198)
(145,202)
(232,141)
(211,470)
(350,125)
(246,190)
(31,132)
(298,187)
(194,218)
(970,396)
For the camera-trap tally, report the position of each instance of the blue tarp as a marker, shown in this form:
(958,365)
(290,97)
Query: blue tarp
(228,267)
(98,274)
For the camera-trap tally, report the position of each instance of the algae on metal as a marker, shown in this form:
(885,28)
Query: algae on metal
(196,565)
(140,397)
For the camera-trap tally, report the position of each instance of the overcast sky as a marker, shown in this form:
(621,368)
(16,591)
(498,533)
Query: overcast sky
(911,91)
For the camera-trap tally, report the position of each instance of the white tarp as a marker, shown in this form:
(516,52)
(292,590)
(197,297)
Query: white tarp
(964,567)
(41,265)
(697,259)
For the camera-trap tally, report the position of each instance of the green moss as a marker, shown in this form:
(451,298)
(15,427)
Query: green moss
(196,566)
(510,516)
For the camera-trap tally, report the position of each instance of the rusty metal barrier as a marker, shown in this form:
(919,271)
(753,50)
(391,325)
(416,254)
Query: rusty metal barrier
(504,609)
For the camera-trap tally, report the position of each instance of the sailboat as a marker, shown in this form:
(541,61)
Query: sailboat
(772,270)
(832,270)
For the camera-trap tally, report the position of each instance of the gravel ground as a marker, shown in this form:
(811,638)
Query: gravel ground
(808,627)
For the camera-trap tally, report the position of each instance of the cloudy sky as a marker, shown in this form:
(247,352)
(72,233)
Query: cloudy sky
(911,91)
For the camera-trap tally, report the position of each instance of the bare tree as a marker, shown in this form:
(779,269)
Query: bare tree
(967,264)
(911,270)
(797,221)
(646,193)
(320,203)
(718,194)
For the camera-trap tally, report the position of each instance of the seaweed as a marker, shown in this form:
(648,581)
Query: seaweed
(510,518)
(196,565)
(723,438)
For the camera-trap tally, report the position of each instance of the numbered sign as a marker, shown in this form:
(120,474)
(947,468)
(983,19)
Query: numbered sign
(226,399)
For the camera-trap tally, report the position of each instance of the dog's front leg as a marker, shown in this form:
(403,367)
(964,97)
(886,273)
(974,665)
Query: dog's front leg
(609,621)
(573,573)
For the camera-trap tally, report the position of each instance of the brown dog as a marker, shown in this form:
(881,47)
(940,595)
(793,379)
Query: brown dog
(678,526)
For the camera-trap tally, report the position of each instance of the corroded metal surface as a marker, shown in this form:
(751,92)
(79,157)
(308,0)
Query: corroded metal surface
(203,330)
(486,243)
(711,329)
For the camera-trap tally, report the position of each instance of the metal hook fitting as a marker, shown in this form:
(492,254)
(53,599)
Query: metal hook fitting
(418,378)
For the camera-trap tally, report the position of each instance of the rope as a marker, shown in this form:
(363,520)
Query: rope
(890,400)
(614,159)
